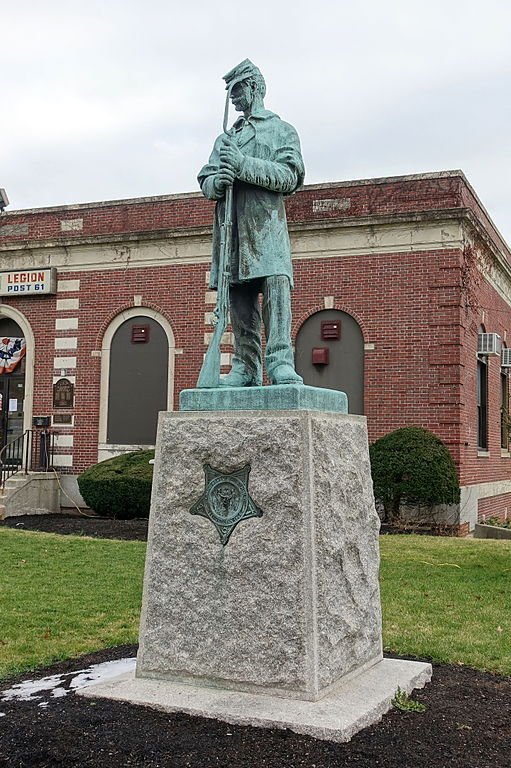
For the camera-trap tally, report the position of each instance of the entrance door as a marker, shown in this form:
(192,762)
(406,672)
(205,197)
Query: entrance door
(12,396)
(12,391)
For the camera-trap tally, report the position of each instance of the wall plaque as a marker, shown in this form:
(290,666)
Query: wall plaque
(63,394)
(62,418)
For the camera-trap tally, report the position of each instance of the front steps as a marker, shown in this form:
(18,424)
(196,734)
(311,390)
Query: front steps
(36,493)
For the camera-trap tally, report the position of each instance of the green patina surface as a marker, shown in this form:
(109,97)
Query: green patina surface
(252,167)
(226,500)
(286,397)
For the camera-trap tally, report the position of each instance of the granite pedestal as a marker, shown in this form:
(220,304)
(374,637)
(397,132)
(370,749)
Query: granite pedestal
(282,626)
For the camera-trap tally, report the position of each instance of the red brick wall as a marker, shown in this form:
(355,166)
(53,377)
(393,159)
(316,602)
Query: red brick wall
(177,292)
(496,315)
(494,506)
(403,306)
(411,314)
(411,306)
(374,197)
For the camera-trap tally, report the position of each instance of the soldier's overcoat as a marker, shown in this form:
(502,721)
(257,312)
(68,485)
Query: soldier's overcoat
(272,168)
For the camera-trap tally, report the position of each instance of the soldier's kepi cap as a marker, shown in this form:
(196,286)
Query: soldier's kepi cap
(241,72)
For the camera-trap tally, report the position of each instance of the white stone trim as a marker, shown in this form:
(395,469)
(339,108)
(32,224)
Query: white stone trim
(66,304)
(66,342)
(64,441)
(16,315)
(66,323)
(110,450)
(363,240)
(326,204)
(128,314)
(321,239)
(64,362)
(71,225)
(67,285)
(470,495)
(62,460)
(227,338)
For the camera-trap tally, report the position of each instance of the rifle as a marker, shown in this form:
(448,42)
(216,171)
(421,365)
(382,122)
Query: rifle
(209,376)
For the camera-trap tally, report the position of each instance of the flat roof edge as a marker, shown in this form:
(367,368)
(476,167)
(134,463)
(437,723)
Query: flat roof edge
(191,195)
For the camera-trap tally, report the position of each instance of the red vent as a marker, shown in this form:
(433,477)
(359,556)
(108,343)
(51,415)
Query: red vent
(320,356)
(330,329)
(139,334)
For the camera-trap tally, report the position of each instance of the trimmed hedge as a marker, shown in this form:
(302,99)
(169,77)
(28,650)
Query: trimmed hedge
(412,466)
(119,487)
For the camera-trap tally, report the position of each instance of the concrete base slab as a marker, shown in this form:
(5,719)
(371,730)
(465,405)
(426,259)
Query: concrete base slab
(354,705)
(278,397)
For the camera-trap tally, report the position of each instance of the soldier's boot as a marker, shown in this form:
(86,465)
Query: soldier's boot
(240,376)
(277,322)
(245,314)
(285,374)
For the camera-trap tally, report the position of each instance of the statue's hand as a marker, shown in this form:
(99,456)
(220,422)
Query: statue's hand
(223,179)
(230,155)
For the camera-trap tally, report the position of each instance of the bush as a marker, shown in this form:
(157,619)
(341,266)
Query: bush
(412,466)
(119,487)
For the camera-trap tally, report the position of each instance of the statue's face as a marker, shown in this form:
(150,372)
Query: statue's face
(242,96)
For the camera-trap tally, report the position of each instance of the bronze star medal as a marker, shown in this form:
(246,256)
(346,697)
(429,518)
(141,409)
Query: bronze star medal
(226,500)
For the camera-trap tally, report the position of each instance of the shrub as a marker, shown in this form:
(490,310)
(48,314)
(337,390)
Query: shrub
(412,466)
(119,487)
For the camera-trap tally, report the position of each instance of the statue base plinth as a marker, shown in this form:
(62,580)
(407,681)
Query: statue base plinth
(356,704)
(277,397)
(280,627)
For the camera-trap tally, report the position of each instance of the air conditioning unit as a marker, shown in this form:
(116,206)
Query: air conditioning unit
(506,358)
(488,344)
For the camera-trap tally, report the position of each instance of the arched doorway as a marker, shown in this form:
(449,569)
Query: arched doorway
(12,380)
(330,354)
(137,380)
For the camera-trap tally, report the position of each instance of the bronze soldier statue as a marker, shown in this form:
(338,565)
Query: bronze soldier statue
(260,160)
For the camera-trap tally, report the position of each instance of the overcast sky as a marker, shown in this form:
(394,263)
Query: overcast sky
(116,99)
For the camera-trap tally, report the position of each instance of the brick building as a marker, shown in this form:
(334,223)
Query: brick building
(411,270)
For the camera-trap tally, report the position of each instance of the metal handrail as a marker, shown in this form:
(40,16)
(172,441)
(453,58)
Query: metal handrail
(26,452)
(15,456)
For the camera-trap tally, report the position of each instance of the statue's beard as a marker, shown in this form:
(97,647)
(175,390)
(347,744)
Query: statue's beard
(241,105)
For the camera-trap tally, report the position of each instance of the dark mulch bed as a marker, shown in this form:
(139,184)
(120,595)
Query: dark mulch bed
(80,525)
(106,528)
(467,723)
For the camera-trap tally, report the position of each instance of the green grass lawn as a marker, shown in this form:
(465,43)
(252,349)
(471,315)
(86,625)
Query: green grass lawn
(449,599)
(63,596)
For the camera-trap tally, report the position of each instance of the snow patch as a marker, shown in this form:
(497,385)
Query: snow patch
(56,686)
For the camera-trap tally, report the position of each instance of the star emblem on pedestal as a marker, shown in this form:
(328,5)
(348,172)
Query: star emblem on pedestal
(226,500)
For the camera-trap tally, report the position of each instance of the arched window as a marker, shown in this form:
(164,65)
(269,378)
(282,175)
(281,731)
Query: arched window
(137,379)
